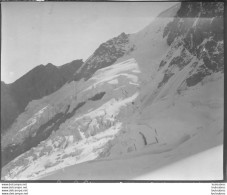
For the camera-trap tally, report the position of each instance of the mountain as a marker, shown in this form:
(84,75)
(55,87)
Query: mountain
(106,54)
(140,102)
(39,82)
(9,108)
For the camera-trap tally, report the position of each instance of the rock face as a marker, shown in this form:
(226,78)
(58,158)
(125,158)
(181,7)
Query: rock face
(150,92)
(106,54)
(198,29)
(39,82)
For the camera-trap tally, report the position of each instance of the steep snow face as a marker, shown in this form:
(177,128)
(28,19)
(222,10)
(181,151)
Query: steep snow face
(149,44)
(156,103)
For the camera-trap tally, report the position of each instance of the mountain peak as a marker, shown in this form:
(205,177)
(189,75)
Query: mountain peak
(49,64)
(105,55)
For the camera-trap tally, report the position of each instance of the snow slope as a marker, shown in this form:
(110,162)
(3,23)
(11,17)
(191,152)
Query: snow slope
(202,166)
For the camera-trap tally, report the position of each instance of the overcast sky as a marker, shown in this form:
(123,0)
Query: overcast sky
(35,33)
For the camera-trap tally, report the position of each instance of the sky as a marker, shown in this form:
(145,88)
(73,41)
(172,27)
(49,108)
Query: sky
(35,33)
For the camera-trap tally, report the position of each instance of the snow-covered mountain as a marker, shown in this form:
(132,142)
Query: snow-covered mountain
(141,101)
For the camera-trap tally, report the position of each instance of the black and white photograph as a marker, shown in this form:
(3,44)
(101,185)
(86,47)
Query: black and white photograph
(112,91)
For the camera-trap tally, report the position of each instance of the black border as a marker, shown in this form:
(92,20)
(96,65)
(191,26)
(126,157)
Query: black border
(224,180)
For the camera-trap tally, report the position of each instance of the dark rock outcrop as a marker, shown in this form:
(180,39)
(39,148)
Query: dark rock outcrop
(9,108)
(106,54)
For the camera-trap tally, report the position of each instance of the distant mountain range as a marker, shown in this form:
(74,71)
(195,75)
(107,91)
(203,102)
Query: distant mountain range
(37,83)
